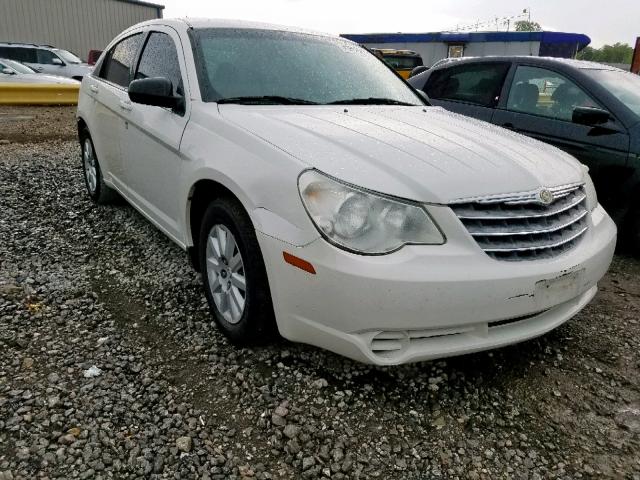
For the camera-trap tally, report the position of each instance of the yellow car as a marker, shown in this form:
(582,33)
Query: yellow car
(402,61)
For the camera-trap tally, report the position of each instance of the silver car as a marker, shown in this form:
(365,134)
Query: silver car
(46,59)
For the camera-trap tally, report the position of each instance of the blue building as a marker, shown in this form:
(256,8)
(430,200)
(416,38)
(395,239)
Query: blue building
(436,46)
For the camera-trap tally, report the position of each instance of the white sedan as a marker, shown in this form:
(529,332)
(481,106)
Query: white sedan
(16,72)
(324,200)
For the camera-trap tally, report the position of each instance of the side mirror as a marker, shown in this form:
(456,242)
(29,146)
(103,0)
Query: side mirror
(155,91)
(590,116)
(8,71)
(57,61)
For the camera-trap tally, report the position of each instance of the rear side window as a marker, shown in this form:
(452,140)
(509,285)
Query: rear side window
(160,59)
(19,54)
(476,83)
(116,67)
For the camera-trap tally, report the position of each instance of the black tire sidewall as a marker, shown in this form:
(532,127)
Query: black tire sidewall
(95,195)
(257,324)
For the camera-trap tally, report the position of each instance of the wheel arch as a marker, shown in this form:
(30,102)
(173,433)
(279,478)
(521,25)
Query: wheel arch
(201,194)
(81,125)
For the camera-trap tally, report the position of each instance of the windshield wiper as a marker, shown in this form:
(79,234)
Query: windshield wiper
(372,101)
(267,100)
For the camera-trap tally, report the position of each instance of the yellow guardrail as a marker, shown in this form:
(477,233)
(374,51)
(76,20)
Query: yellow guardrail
(38,94)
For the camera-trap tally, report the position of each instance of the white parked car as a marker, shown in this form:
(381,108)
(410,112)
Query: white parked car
(46,59)
(323,200)
(16,72)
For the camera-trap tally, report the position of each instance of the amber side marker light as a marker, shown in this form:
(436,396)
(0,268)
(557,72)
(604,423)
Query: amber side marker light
(298,262)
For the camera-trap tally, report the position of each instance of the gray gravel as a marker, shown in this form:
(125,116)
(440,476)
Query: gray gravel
(110,367)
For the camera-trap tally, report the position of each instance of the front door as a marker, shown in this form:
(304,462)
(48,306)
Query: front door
(151,149)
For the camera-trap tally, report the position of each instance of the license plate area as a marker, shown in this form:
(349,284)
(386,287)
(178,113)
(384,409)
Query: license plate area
(555,291)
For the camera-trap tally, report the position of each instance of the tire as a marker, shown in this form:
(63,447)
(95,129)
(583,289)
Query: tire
(245,317)
(99,191)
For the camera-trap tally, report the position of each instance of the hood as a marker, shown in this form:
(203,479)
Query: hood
(423,154)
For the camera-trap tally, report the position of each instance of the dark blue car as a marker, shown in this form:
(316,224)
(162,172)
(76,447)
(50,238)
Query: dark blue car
(587,109)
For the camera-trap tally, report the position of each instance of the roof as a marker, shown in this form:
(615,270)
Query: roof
(579,64)
(26,44)
(230,23)
(469,37)
(143,4)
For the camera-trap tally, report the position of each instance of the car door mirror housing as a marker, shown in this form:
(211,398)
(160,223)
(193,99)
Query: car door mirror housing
(8,71)
(590,116)
(57,61)
(156,91)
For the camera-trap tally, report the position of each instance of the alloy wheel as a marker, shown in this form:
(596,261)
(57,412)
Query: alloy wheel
(226,273)
(89,162)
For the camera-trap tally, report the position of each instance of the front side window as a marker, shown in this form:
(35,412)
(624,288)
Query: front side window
(234,63)
(117,65)
(45,57)
(476,83)
(538,91)
(21,54)
(160,59)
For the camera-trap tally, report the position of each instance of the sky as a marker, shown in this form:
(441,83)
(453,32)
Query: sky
(605,22)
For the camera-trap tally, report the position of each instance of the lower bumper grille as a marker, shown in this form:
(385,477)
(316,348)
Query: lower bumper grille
(523,227)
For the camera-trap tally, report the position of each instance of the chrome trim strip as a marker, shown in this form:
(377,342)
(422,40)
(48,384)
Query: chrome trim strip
(536,247)
(530,232)
(516,215)
(531,195)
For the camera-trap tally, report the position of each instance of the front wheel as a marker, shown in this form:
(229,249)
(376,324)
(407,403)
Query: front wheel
(234,274)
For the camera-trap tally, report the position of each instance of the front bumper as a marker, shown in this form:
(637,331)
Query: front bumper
(426,302)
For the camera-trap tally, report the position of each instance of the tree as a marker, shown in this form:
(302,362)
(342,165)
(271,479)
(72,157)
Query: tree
(616,53)
(527,26)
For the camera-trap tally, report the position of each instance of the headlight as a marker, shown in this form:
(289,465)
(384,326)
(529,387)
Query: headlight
(590,191)
(361,221)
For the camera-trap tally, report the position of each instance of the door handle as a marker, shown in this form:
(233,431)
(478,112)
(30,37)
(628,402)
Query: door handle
(125,105)
(93,88)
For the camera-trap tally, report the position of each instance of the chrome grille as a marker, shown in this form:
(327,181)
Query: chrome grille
(520,227)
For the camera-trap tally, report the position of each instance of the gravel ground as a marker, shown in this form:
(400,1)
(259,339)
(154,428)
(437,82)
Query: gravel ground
(37,124)
(110,367)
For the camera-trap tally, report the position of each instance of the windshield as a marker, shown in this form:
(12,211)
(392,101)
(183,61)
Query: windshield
(624,86)
(17,66)
(403,62)
(68,57)
(235,63)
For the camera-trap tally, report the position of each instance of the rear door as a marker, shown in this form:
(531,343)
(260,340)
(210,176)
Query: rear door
(108,88)
(471,89)
(152,134)
(540,104)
